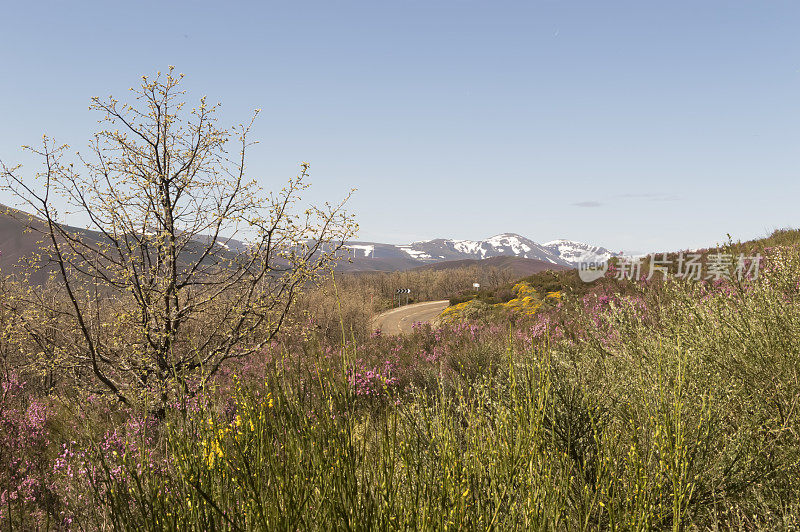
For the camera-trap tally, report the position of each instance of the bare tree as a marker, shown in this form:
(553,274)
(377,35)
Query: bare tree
(154,287)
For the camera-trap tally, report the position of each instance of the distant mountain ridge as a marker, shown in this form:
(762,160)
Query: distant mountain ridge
(16,243)
(564,253)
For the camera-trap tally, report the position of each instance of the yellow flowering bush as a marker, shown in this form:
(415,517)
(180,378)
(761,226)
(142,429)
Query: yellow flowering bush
(527,301)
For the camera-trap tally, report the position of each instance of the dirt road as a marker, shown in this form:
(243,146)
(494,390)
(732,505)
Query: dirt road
(400,320)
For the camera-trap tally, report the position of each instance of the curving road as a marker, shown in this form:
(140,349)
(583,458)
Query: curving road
(400,320)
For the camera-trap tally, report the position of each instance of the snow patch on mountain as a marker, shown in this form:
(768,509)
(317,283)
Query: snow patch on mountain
(470,247)
(578,252)
(414,253)
(513,242)
(368,250)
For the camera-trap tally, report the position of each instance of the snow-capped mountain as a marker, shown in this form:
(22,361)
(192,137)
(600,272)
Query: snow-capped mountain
(577,252)
(506,244)
(558,252)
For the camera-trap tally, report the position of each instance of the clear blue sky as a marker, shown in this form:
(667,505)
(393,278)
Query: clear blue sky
(636,125)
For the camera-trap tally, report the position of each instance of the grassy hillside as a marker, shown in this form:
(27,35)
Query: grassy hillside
(567,281)
(638,405)
(779,237)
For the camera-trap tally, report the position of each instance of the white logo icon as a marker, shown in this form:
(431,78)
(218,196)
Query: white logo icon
(592,270)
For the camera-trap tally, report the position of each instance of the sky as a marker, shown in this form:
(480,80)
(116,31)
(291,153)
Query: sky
(639,126)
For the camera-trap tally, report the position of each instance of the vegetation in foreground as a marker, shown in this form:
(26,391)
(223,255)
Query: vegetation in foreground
(673,406)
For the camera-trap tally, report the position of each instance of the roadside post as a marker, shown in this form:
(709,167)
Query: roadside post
(399,293)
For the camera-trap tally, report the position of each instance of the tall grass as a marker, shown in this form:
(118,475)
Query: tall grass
(674,407)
